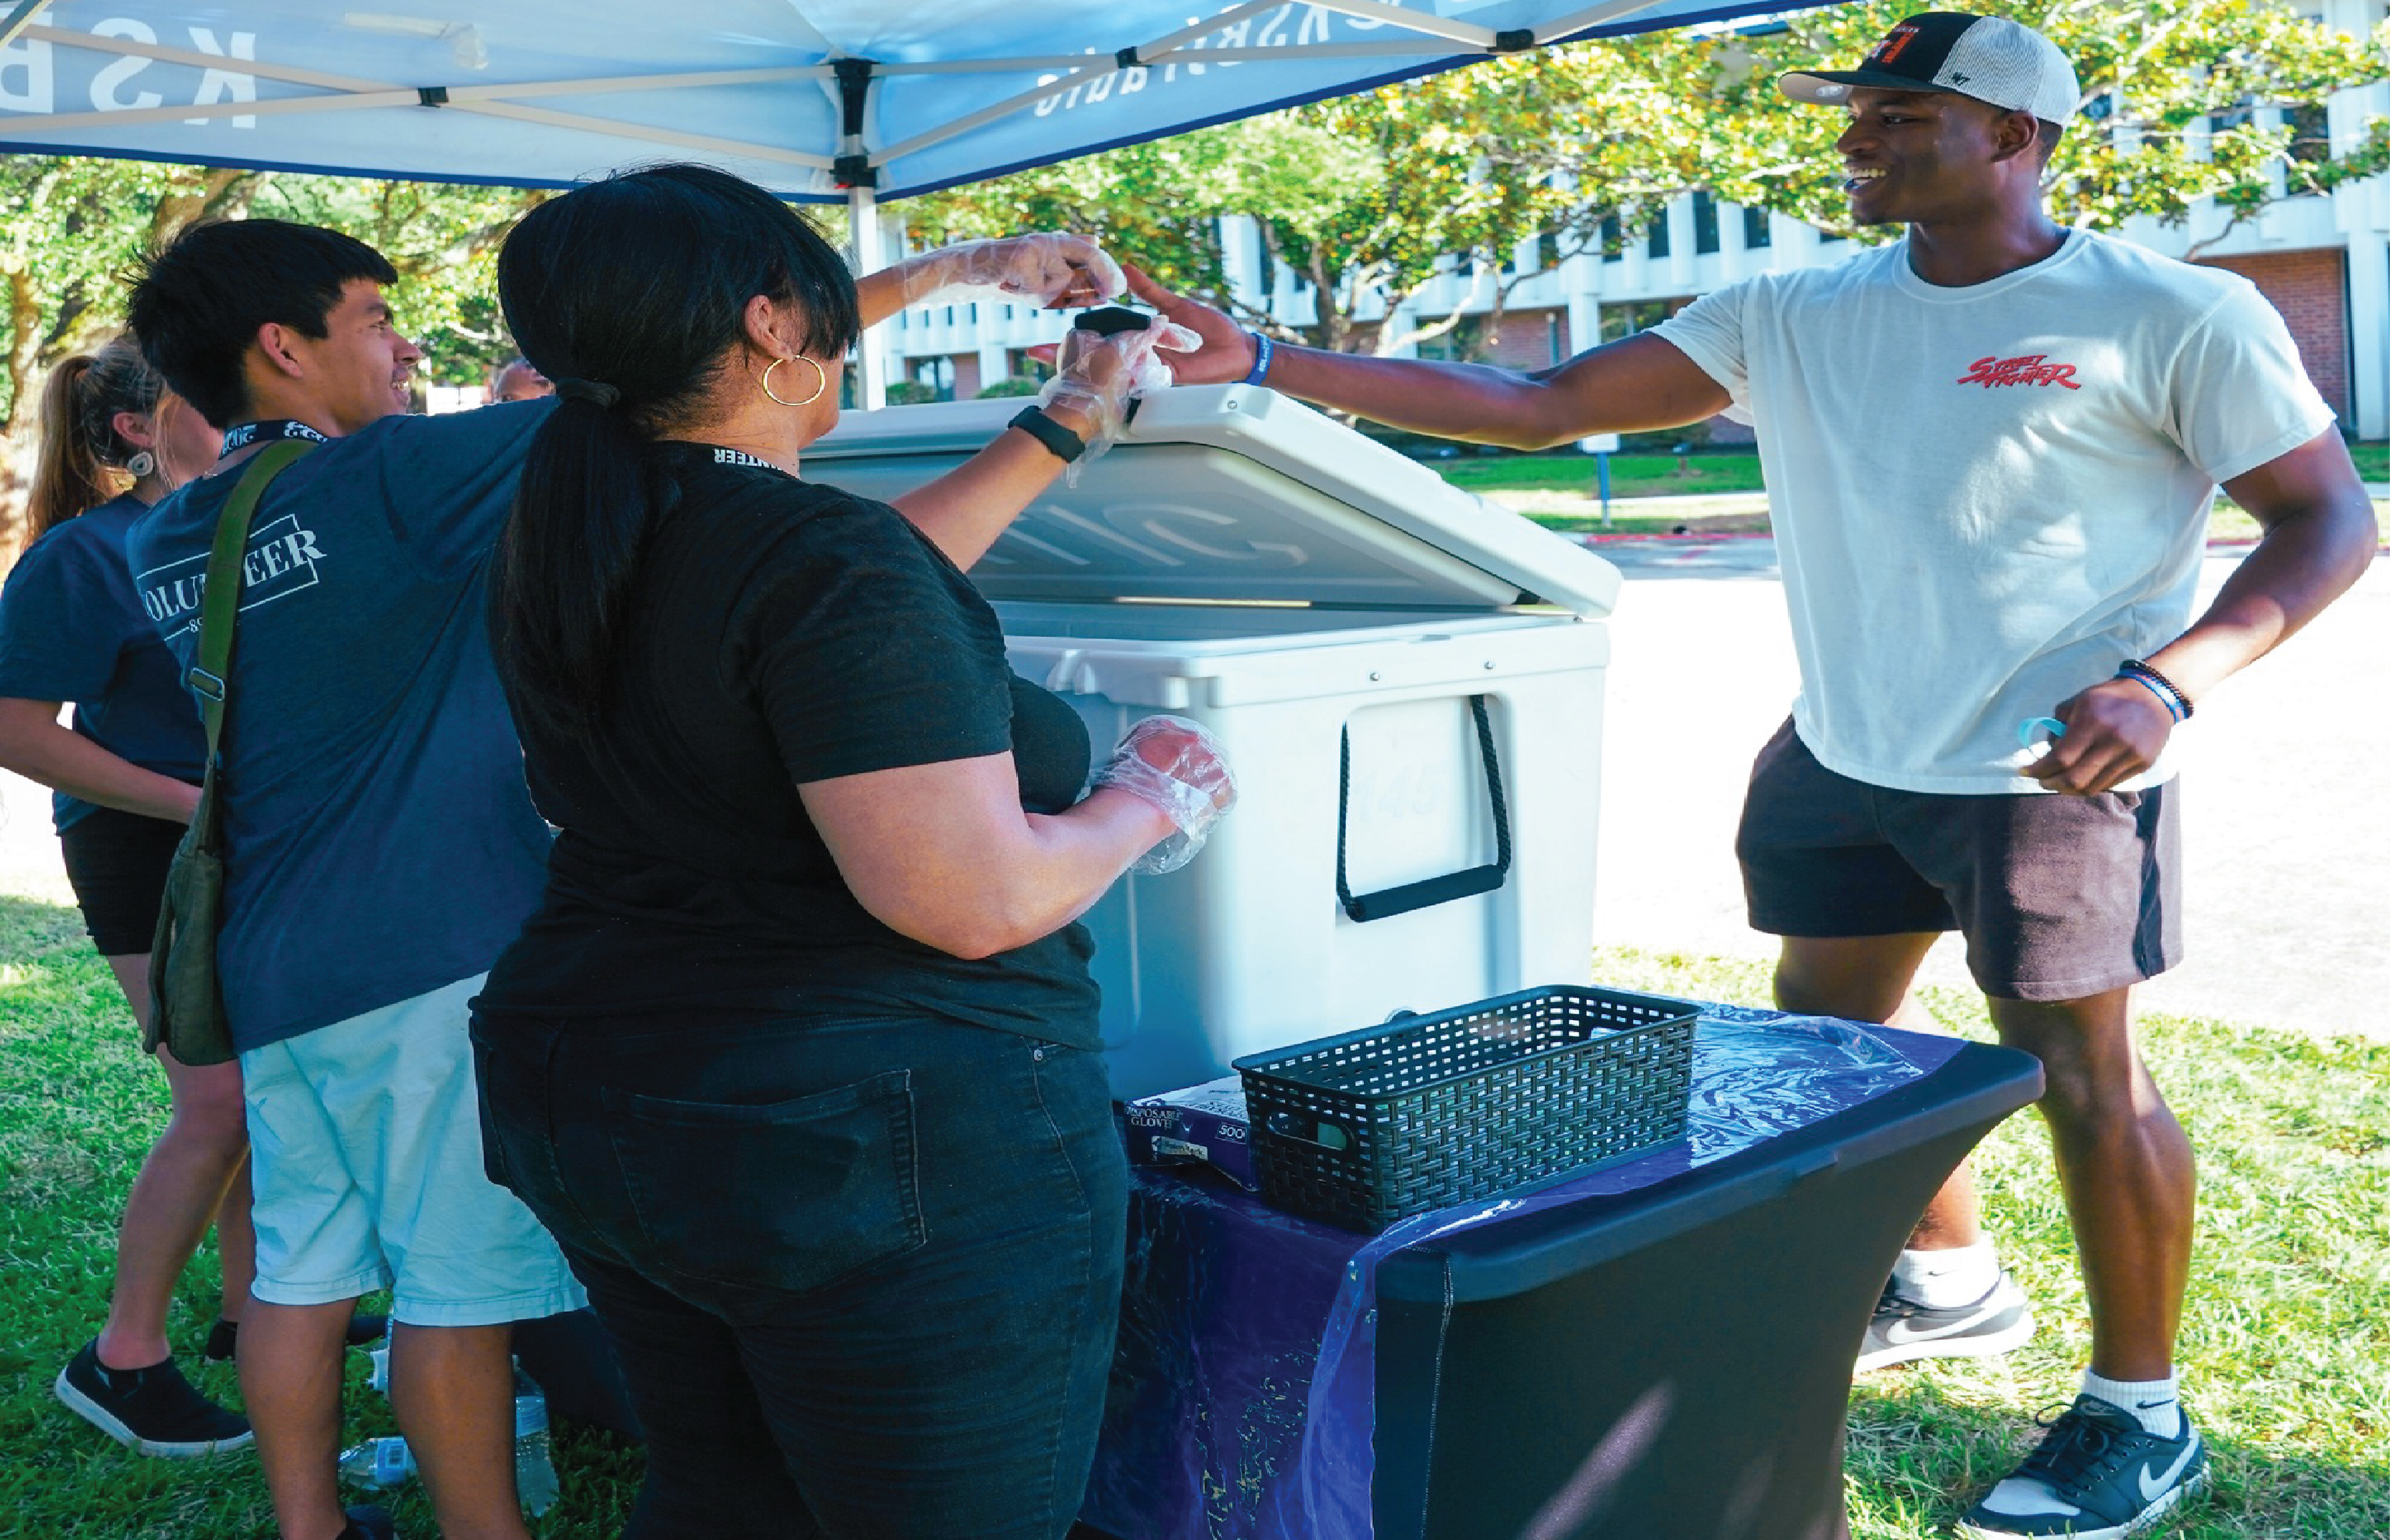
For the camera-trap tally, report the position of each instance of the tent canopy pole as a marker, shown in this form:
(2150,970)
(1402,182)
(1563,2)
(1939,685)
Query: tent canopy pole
(872,355)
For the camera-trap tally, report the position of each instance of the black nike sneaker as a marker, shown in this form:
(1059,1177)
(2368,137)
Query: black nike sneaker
(2097,1474)
(223,1338)
(1903,1330)
(152,1411)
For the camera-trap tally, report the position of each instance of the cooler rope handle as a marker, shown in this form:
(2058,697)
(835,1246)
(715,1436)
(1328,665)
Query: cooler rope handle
(1429,890)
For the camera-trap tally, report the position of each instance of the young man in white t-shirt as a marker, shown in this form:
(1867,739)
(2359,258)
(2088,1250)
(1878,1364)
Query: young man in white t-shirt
(1990,448)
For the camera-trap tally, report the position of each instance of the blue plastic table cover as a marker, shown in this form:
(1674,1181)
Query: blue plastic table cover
(1243,1391)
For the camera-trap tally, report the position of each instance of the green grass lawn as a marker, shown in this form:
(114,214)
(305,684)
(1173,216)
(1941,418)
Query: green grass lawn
(1558,491)
(2285,1351)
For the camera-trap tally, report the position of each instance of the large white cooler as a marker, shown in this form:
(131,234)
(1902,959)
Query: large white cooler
(1344,620)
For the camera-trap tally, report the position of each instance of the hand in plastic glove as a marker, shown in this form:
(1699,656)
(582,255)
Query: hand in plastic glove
(1098,377)
(1179,766)
(1049,269)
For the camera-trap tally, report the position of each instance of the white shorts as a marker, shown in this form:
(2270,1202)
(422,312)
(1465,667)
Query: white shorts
(365,1155)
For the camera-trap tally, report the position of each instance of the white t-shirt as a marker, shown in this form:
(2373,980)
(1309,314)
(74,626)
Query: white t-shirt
(1986,498)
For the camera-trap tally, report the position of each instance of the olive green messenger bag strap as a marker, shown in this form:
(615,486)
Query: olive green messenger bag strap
(187,1011)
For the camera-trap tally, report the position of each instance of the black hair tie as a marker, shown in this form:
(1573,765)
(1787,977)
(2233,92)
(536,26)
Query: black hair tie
(597,391)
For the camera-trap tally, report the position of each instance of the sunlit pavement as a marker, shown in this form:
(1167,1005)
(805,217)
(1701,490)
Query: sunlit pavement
(2287,837)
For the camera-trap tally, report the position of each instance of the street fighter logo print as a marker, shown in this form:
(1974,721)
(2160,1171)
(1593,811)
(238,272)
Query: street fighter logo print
(282,561)
(2033,368)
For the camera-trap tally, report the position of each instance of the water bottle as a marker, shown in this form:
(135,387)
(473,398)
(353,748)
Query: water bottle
(377,1462)
(379,1379)
(535,1481)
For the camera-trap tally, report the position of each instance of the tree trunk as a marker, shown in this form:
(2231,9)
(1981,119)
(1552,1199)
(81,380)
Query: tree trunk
(1335,326)
(24,349)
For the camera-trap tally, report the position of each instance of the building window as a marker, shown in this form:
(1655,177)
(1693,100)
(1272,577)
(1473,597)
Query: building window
(1547,251)
(1756,231)
(1827,237)
(1614,239)
(935,375)
(2310,133)
(1458,345)
(1705,222)
(1655,241)
(1625,320)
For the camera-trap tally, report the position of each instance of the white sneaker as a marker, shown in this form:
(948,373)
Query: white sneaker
(1903,1330)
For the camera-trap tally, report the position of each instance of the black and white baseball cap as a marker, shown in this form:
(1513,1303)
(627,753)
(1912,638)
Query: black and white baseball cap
(1988,57)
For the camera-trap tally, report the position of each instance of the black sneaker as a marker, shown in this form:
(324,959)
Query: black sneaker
(367,1521)
(223,1338)
(2097,1474)
(154,1410)
(1903,1330)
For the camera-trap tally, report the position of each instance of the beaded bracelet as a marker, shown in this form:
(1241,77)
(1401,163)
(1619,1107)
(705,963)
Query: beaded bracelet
(2176,703)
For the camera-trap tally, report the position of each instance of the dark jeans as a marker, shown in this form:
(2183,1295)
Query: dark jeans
(863,1275)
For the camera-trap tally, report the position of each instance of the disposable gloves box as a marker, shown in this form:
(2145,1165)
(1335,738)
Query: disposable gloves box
(1203,1124)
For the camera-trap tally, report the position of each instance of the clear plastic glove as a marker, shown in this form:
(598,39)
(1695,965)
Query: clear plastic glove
(1179,766)
(1099,376)
(1048,269)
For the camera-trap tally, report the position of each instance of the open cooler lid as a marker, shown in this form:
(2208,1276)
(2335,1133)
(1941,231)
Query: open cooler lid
(1231,493)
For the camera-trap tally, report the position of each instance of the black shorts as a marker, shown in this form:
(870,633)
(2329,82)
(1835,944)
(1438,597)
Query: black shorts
(116,862)
(2058,896)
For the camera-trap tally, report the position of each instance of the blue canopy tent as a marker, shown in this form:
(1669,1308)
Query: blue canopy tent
(852,101)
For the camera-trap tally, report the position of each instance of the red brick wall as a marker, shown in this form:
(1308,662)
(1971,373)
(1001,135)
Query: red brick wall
(2310,289)
(1530,340)
(967,379)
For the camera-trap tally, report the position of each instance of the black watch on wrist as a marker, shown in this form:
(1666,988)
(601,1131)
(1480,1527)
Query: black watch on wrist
(1067,446)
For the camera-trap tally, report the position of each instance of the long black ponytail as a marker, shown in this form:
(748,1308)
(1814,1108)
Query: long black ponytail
(631,294)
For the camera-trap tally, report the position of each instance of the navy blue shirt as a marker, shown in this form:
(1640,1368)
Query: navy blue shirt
(72,628)
(380,843)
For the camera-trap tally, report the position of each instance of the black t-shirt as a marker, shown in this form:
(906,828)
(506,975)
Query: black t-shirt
(779,632)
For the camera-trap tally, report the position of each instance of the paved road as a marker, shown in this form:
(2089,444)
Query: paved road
(2287,842)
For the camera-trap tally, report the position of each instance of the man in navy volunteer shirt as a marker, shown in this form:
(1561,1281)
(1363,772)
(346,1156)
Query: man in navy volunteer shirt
(382,851)
(1990,449)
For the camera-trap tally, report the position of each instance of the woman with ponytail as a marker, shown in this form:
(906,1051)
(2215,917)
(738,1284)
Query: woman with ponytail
(798,1058)
(114,440)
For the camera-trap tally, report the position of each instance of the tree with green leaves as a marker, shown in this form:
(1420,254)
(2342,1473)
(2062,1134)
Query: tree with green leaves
(2171,93)
(74,227)
(1366,199)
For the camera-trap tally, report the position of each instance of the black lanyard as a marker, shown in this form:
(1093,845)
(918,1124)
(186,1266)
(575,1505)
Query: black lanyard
(267,432)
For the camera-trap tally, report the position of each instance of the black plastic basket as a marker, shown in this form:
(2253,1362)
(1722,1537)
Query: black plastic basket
(1426,1112)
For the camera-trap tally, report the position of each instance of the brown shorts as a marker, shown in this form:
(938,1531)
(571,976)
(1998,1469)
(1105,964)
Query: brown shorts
(2058,896)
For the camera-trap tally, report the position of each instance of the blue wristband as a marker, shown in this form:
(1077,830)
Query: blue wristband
(1263,349)
(2165,696)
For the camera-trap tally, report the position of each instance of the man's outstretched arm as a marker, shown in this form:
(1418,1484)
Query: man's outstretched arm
(1632,386)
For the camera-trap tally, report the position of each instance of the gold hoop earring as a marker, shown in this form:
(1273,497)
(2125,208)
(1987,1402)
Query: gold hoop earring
(821,381)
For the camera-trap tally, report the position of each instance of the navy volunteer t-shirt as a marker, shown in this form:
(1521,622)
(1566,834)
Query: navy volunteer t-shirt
(380,843)
(780,633)
(72,628)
